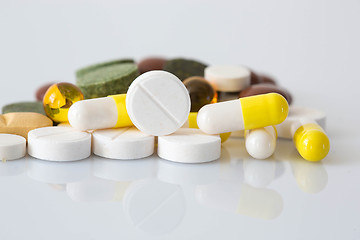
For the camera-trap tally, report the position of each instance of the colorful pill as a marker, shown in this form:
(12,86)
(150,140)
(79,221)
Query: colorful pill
(305,126)
(99,113)
(58,99)
(245,113)
(260,143)
(310,140)
(192,123)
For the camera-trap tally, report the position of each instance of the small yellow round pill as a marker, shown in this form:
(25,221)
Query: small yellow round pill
(58,99)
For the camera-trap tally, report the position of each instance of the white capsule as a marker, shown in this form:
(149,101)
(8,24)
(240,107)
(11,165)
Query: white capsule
(93,114)
(261,142)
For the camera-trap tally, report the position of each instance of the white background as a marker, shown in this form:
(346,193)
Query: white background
(310,47)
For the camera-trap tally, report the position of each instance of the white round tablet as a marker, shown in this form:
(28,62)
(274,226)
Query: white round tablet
(12,146)
(59,144)
(122,143)
(189,145)
(228,78)
(296,114)
(158,103)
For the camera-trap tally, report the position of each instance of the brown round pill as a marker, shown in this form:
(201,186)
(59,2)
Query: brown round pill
(201,92)
(227,96)
(151,63)
(263,88)
(266,79)
(254,79)
(41,91)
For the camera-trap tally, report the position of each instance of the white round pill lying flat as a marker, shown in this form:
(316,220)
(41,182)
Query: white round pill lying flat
(122,143)
(189,145)
(158,103)
(59,144)
(295,115)
(12,146)
(228,78)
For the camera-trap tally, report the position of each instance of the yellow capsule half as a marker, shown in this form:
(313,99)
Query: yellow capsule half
(264,110)
(311,142)
(123,116)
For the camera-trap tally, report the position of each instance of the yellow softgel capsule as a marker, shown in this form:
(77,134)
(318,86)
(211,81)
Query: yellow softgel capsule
(58,99)
(193,124)
(244,113)
(311,142)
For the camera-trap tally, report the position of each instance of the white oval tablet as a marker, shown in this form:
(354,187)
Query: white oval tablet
(59,144)
(297,113)
(158,103)
(122,143)
(12,146)
(228,78)
(189,145)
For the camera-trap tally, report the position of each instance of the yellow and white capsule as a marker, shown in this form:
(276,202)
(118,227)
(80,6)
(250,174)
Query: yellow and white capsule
(310,140)
(99,113)
(192,123)
(244,113)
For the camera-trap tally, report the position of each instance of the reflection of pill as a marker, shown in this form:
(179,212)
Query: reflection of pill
(154,206)
(58,172)
(93,189)
(259,173)
(261,142)
(260,203)
(13,168)
(59,144)
(122,143)
(12,146)
(185,174)
(188,145)
(158,103)
(244,113)
(228,78)
(124,170)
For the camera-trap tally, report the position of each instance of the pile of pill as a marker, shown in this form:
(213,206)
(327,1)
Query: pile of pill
(182,108)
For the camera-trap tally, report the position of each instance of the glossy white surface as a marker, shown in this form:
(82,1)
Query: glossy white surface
(310,47)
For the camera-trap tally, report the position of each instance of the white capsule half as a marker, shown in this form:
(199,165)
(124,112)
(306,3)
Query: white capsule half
(261,142)
(94,113)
